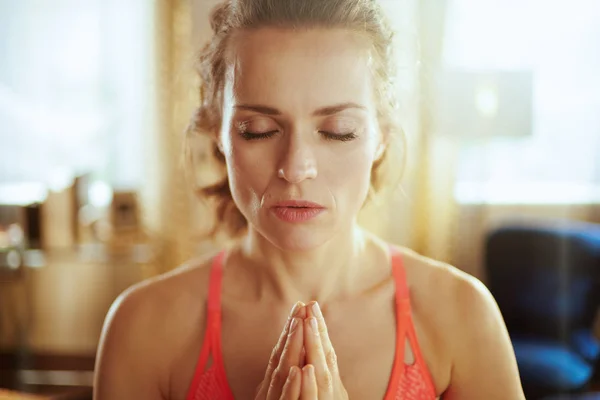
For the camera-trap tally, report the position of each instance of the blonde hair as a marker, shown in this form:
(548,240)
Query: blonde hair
(361,16)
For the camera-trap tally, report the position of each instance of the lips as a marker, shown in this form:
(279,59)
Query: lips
(296,211)
(298,204)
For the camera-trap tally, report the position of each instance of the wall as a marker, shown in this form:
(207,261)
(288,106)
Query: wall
(474,221)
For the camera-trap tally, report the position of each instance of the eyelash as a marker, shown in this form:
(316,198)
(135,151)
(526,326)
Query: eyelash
(256,136)
(327,135)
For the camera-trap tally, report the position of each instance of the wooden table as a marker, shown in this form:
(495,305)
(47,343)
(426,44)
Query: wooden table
(81,394)
(10,395)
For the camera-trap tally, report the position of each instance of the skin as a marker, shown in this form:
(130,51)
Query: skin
(328,259)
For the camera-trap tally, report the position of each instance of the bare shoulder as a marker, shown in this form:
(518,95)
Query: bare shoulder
(442,285)
(166,297)
(468,329)
(456,302)
(144,329)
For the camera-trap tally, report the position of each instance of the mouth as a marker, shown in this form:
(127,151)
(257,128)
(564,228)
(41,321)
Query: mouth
(297,211)
(298,204)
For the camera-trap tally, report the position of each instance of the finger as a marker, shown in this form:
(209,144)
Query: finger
(309,384)
(276,354)
(302,362)
(278,349)
(301,312)
(289,358)
(293,384)
(315,311)
(315,355)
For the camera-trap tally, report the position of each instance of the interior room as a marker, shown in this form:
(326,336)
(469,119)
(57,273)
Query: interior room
(99,175)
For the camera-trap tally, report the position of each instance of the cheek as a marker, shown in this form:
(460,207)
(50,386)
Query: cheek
(249,169)
(351,171)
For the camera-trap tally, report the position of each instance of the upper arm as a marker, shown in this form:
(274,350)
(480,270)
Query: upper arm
(484,364)
(125,366)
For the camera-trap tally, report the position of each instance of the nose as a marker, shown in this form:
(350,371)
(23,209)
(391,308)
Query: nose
(298,161)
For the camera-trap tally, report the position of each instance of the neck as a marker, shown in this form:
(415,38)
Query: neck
(328,272)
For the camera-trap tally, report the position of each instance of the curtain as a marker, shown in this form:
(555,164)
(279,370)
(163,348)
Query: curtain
(421,213)
(165,194)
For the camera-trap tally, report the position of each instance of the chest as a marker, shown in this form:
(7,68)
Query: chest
(363,336)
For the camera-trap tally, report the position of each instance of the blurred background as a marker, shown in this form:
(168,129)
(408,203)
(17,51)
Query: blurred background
(500,104)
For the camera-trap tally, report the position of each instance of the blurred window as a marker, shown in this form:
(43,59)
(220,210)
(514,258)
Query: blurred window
(74,89)
(559,161)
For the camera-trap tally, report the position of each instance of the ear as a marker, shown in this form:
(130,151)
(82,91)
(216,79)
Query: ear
(380,150)
(219,142)
(384,138)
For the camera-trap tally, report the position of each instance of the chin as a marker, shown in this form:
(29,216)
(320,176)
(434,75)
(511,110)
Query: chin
(297,243)
(296,237)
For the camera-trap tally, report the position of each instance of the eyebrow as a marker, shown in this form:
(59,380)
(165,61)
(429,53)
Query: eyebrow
(320,112)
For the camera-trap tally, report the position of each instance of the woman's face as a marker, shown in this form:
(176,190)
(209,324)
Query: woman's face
(299,132)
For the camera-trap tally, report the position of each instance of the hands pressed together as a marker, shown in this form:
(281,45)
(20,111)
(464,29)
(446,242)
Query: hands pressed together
(303,364)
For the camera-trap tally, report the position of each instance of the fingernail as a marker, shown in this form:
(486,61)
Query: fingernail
(317,310)
(295,308)
(314,326)
(307,371)
(292,372)
(293,325)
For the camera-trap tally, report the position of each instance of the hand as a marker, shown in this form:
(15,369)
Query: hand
(320,376)
(283,378)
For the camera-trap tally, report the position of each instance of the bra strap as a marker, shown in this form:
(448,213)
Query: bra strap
(402,303)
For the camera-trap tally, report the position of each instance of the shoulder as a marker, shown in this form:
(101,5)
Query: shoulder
(448,295)
(146,323)
(164,297)
(442,285)
(471,333)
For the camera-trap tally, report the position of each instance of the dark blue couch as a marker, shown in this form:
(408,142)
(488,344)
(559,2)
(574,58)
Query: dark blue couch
(546,280)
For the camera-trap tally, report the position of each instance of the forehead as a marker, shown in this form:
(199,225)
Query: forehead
(298,70)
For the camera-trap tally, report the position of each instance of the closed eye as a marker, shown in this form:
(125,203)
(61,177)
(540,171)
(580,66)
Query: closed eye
(345,137)
(257,135)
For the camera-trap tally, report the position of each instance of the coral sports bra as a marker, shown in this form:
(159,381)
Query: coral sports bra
(407,382)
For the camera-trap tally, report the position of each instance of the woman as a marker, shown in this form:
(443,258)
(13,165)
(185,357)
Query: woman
(297,97)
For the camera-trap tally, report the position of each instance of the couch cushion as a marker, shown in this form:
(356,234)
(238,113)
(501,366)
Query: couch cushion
(582,396)
(550,365)
(586,344)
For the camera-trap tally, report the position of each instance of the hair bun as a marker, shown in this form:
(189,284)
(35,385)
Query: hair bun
(219,15)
